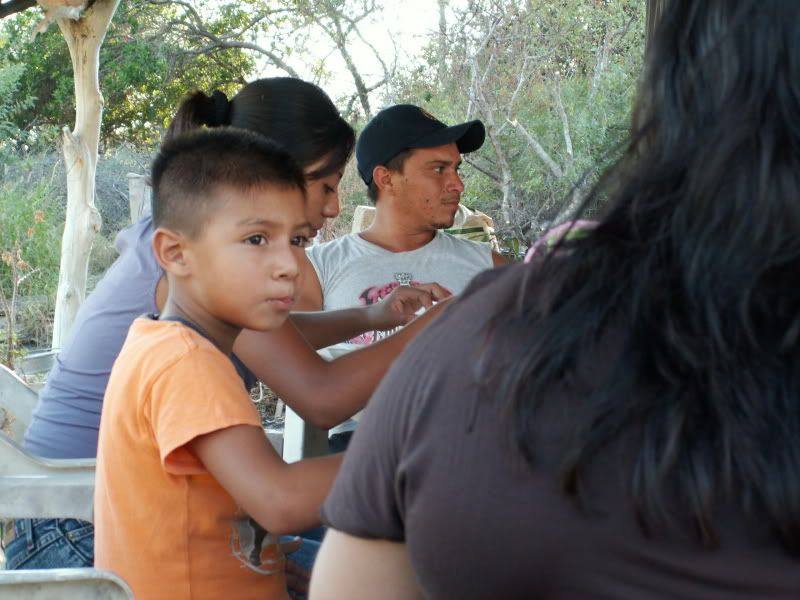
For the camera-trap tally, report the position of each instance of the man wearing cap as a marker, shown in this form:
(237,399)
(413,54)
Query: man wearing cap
(409,161)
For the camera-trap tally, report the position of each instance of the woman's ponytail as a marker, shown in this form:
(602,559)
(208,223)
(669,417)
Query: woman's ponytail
(198,110)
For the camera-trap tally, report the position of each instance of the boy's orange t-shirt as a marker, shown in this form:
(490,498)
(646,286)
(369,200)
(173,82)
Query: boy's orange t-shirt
(162,522)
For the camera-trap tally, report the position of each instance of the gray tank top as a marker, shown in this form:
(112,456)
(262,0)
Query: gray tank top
(355,272)
(67,418)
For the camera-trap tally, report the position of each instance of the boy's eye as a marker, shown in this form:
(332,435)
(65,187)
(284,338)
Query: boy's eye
(301,240)
(439,170)
(329,190)
(256,240)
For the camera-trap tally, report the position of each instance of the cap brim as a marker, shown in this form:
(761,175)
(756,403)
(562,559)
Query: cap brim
(467,136)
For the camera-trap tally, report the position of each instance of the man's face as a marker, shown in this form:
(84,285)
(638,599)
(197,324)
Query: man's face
(429,189)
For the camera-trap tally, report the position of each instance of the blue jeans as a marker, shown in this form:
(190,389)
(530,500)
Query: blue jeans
(50,544)
(338,442)
(307,553)
(67,543)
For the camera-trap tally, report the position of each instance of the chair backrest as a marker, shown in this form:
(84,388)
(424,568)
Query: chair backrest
(34,363)
(301,439)
(39,488)
(363,216)
(17,401)
(63,584)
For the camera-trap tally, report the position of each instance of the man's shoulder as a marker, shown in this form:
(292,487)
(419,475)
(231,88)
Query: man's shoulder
(337,250)
(448,242)
(445,235)
(344,240)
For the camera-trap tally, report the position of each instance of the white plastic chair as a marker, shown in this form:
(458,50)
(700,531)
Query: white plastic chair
(63,584)
(40,488)
(300,439)
(17,401)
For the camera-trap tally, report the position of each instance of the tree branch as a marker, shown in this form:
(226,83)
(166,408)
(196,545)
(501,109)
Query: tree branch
(482,165)
(14,6)
(564,121)
(602,62)
(195,26)
(537,148)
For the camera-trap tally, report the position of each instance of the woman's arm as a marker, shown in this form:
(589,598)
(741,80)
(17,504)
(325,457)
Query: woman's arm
(325,328)
(356,568)
(323,393)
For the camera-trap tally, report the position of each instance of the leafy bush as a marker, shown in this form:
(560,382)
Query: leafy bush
(33,217)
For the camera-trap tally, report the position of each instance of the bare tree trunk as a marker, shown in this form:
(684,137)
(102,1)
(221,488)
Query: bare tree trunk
(358,81)
(506,175)
(576,198)
(564,122)
(84,38)
(14,6)
(555,169)
(602,62)
(442,63)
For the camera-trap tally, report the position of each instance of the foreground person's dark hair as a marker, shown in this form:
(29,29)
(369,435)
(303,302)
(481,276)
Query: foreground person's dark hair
(692,272)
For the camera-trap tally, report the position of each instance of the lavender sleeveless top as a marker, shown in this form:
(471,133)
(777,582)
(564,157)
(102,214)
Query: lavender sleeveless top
(67,418)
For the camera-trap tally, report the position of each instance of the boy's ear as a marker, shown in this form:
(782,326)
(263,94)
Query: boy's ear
(169,246)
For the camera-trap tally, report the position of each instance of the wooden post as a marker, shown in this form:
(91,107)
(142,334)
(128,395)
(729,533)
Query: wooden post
(139,194)
(84,38)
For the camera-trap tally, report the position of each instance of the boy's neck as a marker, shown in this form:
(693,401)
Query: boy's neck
(222,334)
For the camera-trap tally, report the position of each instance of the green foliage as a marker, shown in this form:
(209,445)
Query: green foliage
(146,69)
(530,60)
(32,220)
(10,104)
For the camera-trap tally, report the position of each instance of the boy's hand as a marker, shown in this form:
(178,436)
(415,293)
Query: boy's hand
(401,306)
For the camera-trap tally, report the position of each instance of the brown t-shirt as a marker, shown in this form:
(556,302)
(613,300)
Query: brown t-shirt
(434,464)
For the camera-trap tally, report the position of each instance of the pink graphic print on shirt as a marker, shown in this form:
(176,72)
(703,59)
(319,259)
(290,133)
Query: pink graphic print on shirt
(373,295)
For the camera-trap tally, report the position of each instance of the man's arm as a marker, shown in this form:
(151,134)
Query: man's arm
(323,393)
(283,498)
(356,568)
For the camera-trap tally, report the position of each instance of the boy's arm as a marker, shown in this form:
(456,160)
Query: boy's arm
(323,393)
(325,328)
(283,498)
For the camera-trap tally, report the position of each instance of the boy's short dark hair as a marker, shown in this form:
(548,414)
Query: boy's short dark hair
(190,167)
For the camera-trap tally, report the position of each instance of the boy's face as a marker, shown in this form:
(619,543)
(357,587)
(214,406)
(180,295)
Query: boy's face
(245,260)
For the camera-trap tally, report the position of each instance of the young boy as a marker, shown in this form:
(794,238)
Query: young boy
(184,470)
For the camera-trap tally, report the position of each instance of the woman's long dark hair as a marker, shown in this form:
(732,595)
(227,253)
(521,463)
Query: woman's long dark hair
(694,268)
(295,113)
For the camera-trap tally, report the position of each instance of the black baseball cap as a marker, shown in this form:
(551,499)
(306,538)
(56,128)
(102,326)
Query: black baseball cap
(404,127)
